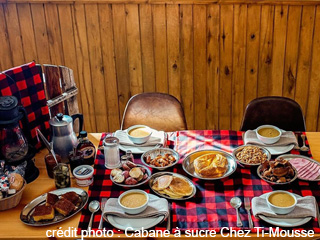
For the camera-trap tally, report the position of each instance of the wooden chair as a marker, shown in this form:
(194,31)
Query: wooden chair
(282,112)
(60,88)
(157,110)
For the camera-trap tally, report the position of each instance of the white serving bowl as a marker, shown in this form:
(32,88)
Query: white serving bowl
(281,210)
(136,210)
(139,140)
(268,140)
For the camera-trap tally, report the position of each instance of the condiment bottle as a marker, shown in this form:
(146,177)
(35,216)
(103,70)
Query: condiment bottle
(87,148)
(111,152)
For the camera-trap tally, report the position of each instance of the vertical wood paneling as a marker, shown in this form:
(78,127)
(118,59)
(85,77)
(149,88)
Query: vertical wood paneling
(226,42)
(27,32)
(265,51)
(199,64)
(14,33)
(120,47)
(314,86)
(304,60)
(252,55)
(147,53)
(110,76)
(5,62)
(239,63)
(214,58)
(173,45)
(68,42)
(292,47)
(213,35)
(160,47)
(134,49)
(96,66)
(84,71)
(40,32)
(278,50)
(186,62)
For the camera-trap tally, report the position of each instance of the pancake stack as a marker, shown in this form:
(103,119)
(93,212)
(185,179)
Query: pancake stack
(174,187)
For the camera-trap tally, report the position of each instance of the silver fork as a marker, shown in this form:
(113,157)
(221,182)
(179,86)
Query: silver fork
(102,205)
(248,208)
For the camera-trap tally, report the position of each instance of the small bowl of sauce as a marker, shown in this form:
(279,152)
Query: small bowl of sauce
(139,134)
(268,134)
(134,201)
(281,202)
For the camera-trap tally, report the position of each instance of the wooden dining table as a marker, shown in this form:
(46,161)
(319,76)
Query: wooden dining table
(12,227)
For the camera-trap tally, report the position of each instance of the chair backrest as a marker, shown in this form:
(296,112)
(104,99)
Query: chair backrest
(282,112)
(157,110)
(60,88)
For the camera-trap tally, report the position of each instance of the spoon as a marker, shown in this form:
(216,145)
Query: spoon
(296,147)
(94,207)
(304,148)
(236,203)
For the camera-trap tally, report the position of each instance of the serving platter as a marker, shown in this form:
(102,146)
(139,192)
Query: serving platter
(27,211)
(188,166)
(135,185)
(135,224)
(160,151)
(292,156)
(159,174)
(285,222)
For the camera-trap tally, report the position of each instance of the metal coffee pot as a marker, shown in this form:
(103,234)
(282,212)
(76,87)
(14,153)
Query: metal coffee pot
(63,137)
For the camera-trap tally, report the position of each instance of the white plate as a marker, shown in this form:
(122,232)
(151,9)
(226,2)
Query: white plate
(279,149)
(285,222)
(137,149)
(135,223)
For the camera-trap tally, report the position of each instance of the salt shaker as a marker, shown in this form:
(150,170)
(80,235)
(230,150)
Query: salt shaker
(111,152)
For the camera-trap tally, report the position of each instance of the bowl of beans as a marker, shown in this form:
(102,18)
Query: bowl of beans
(250,155)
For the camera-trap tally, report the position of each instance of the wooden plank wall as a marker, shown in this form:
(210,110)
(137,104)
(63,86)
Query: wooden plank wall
(213,57)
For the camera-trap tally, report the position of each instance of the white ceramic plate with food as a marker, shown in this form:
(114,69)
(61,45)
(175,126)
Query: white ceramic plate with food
(285,222)
(135,223)
(293,156)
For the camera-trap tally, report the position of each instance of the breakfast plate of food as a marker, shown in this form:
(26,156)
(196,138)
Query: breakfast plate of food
(172,186)
(161,158)
(250,155)
(308,169)
(277,172)
(130,175)
(54,207)
(209,164)
(284,222)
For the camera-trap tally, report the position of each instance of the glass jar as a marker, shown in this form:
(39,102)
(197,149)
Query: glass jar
(111,152)
(87,148)
(61,175)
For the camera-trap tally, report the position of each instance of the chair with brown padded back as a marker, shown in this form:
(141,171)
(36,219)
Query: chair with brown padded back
(157,110)
(282,112)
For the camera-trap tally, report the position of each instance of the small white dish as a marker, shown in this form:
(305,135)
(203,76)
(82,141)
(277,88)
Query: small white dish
(269,140)
(134,224)
(277,150)
(135,210)
(281,210)
(139,140)
(285,222)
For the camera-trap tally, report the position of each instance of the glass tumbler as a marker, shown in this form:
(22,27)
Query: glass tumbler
(111,152)
(61,175)
(51,163)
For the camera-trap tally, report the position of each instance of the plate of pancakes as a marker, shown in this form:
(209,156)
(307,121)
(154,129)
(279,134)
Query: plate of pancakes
(209,164)
(172,186)
(53,207)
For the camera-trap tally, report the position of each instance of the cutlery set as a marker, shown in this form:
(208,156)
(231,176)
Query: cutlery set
(236,203)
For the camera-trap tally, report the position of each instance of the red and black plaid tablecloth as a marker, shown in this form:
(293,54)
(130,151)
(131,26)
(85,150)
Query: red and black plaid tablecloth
(24,82)
(210,207)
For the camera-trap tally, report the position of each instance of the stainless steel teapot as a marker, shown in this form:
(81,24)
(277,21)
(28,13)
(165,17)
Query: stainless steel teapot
(64,138)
